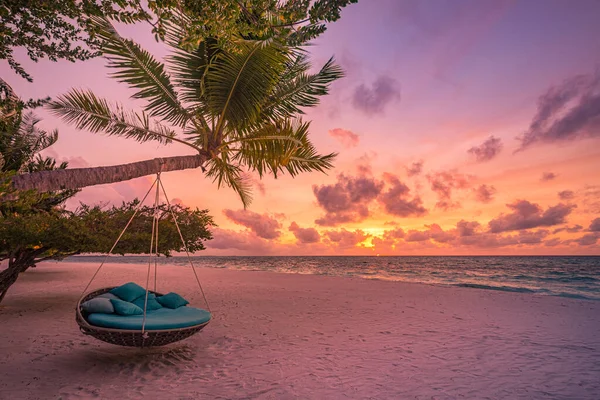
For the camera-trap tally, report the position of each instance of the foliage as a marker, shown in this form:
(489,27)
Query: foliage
(57,233)
(57,29)
(34,227)
(61,29)
(238,108)
(294,21)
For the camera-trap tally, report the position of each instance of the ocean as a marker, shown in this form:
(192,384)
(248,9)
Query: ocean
(566,276)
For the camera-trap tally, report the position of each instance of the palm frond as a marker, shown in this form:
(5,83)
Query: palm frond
(86,111)
(279,149)
(136,67)
(225,173)
(237,83)
(298,89)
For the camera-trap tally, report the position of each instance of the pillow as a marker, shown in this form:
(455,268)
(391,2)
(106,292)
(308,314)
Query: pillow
(98,305)
(125,308)
(129,291)
(107,295)
(172,300)
(152,303)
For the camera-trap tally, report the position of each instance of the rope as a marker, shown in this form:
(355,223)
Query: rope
(184,245)
(137,208)
(152,247)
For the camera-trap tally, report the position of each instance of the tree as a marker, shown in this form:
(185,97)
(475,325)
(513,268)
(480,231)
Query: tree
(34,227)
(238,109)
(57,29)
(62,29)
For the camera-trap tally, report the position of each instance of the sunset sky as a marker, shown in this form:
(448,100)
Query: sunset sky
(463,127)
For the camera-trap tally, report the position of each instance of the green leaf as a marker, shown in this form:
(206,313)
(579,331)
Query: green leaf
(298,89)
(237,83)
(86,111)
(136,67)
(281,148)
(225,173)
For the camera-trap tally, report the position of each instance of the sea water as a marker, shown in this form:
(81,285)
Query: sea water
(567,276)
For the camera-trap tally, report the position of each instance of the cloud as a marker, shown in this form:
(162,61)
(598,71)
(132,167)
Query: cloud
(571,229)
(591,199)
(229,239)
(345,238)
(374,100)
(527,215)
(347,138)
(415,169)
(363,163)
(587,239)
(304,235)
(396,199)
(442,183)
(416,236)
(595,225)
(263,226)
(553,242)
(439,235)
(487,150)
(566,195)
(347,200)
(467,228)
(568,111)
(484,193)
(548,176)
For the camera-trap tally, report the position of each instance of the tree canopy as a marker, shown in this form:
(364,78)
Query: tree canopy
(35,226)
(62,30)
(239,108)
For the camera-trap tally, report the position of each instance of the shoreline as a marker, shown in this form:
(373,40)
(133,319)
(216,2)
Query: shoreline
(293,336)
(499,286)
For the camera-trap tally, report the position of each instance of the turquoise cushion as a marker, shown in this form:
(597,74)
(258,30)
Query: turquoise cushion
(98,305)
(164,318)
(152,303)
(172,300)
(129,291)
(107,295)
(125,308)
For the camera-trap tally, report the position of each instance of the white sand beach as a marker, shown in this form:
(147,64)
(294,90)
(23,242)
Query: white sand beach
(284,336)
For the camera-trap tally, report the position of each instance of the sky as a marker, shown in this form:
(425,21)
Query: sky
(462,127)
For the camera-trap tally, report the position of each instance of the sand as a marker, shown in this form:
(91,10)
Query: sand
(285,336)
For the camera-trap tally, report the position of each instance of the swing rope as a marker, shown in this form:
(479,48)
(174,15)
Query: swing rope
(184,245)
(153,244)
(137,208)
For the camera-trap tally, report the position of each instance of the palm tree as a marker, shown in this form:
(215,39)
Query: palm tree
(238,110)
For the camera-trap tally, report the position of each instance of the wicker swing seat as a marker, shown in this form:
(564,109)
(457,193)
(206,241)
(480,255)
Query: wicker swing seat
(134,337)
(155,327)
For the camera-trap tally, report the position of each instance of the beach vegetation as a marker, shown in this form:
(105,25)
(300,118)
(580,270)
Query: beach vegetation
(36,226)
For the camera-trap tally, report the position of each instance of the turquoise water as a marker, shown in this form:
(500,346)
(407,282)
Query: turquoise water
(574,277)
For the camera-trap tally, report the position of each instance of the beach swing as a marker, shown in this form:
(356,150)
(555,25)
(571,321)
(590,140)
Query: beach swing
(157,326)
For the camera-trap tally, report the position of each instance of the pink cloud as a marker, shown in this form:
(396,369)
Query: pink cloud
(396,199)
(347,200)
(344,238)
(487,150)
(304,235)
(566,195)
(347,138)
(444,182)
(527,215)
(229,239)
(484,193)
(548,176)
(263,225)
(415,168)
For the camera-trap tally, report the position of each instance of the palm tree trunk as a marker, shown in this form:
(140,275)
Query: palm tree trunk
(76,178)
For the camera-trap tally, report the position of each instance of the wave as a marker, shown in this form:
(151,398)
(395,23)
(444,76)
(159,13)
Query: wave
(490,287)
